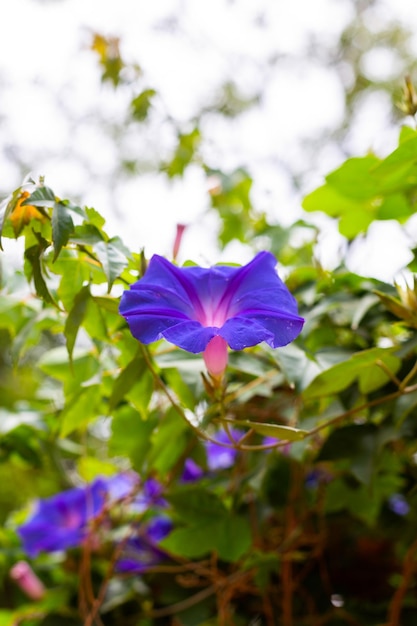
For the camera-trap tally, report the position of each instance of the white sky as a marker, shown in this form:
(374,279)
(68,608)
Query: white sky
(45,44)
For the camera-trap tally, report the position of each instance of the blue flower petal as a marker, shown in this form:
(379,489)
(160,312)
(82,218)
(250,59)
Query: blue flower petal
(240,333)
(148,315)
(190,336)
(277,330)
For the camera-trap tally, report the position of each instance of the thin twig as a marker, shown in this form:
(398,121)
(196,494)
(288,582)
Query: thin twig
(409,568)
(197,597)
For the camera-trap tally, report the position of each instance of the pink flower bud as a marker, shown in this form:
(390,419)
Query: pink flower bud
(178,239)
(26,579)
(216,357)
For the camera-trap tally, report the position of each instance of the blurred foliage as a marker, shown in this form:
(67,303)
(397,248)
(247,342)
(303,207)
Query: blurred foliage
(371,55)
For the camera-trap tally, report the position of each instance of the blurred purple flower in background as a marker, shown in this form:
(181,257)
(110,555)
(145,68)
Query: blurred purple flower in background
(191,471)
(142,552)
(62,521)
(398,504)
(206,310)
(218,456)
(122,485)
(316,477)
(150,495)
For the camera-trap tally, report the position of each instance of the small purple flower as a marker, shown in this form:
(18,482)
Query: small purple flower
(316,477)
(206,310)
(191,471)
(398,504)
(122,485)
(149,496)
(218,456)
(142,552)
(61,522)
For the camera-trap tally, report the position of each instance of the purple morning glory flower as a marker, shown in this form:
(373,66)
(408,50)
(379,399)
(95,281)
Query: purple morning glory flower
(142,552)
(62,521)
(206,310)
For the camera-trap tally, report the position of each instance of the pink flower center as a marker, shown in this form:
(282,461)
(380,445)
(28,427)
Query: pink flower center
(215,356)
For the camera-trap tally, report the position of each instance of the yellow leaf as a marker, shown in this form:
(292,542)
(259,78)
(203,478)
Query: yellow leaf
(100,45)
(22,215)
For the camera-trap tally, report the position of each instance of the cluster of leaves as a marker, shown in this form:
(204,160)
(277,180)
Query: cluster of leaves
(315,522)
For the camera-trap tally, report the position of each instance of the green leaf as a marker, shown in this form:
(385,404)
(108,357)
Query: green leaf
(406,133)
(356,442)
(7,618)
(169,441)
(194,505)
(62,227)
(192,542)
(75,318)
(356,222)
(398,170)
(34,256)
(41,197)
(273,430)
(187,146)
(354,178)
(74,273)
(86,235)
(131,435)
(234,538)
(107,303)
(90,468)
(95,218)
(126,379)
(141,393)
(229,537)
(395,207)
(365,189)
(329,201)
(363,446)
(31,333)
(341,496)
(233,203)
(362,366)
(300,368)
(80,409)
(112,260)
(55,363)
(141,104)
(95,322)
